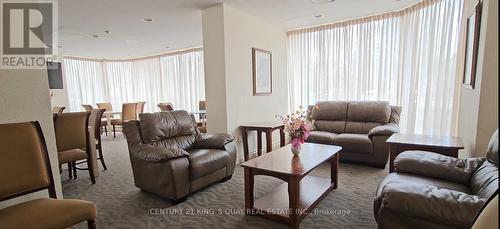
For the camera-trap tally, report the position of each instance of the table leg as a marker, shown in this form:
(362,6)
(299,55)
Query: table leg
(393,153)
(108,122)
(259,142)
(293,198)
(244,137)
(334,168)
(282,136)
(269,141)
(248,189)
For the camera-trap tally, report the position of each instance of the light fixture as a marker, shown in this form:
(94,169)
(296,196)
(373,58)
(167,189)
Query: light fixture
(320,1)
(95,36)
(318,15)
(148,19)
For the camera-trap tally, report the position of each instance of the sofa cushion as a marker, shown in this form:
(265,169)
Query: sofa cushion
(330,110)
(206,161)
(360,127)
(369,111)
(357,143)
(330,126)
(410,178)
(321,137)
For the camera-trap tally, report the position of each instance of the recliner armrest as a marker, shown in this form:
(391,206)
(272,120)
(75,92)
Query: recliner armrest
(431,203)
(212,141)
(435,165)
(155,154)
(384,130)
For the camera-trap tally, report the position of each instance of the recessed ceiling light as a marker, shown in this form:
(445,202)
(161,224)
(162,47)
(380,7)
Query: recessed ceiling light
(148,19)
(167,47)
(318,15)
(320,1)
(95,36)
(107,32)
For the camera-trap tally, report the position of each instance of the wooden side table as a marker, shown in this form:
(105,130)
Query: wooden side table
(445,145)
(260,127)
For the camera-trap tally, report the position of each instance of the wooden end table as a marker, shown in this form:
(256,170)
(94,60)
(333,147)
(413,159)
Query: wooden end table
(445,145)
(260,127)
(290,202)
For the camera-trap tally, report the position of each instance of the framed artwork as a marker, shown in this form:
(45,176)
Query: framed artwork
(262,72)
(471,46)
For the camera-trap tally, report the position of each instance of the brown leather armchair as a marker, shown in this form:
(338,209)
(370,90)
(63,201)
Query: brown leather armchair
(429,190)
(172,159)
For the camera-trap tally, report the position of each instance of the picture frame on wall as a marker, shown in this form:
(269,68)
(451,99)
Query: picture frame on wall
(262,72)
(471,46)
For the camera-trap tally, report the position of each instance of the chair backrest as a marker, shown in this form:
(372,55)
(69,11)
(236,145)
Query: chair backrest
(174,129)
(87,107)
(71,131)
(58,110)
(24,161)
(353,117)
(202,105)
(105,106)
(484,181)
(167,106)
(140,108)
(129,112)
(95,120)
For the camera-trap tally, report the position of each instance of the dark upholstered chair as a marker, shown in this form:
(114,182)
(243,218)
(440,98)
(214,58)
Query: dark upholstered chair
(429,190)
(361,128)
(24,169)
(172,159)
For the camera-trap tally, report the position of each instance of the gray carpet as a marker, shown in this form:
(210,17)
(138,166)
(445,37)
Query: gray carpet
(121,205)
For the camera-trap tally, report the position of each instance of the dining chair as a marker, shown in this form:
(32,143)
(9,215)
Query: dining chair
(95,121)
(167,106)
(58,110)
(87,107)
(72,140)
(129,112)
(25,169)
(140,108)
(104,122)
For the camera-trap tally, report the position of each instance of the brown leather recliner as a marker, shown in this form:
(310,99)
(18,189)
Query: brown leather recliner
(361,128)
(429,190)
(172,159)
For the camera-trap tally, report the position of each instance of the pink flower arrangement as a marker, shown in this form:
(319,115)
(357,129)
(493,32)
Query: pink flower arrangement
(298,125)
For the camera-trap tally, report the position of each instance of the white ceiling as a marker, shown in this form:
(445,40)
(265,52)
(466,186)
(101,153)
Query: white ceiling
(177,23)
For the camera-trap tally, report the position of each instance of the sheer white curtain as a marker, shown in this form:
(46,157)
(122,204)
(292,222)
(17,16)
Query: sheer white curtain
(408,58)
(175,77)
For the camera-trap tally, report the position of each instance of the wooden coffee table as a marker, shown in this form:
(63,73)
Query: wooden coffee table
(445,145)
(290,202)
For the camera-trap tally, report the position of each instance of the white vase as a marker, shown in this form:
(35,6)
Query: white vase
(296,150)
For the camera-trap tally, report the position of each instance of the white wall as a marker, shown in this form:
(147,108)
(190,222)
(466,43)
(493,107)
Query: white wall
(478,112)
(229,49)
(24,96)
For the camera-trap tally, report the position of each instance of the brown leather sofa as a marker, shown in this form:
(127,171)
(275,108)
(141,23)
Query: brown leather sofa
(172,159)
(361,128)
(429,190)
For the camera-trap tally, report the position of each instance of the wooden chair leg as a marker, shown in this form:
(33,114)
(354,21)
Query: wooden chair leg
(101,157)
(70,170)
(60,168)
(106,130)
(114,131)
(74,169)
(91,224)
(91,171)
